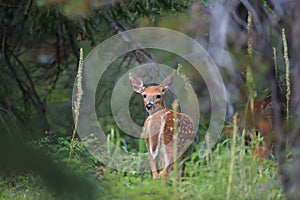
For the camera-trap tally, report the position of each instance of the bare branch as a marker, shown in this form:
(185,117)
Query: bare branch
(142,55)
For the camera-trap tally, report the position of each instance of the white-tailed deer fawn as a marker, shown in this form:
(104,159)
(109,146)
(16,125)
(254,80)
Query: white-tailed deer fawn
(262,123)
(159,127)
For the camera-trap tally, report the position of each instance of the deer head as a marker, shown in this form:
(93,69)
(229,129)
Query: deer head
(153,95)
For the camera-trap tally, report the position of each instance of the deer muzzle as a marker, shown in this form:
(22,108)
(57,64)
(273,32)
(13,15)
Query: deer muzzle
(149,106)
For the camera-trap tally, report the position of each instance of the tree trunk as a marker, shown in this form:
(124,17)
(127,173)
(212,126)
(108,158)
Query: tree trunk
(294,191)
(289,168)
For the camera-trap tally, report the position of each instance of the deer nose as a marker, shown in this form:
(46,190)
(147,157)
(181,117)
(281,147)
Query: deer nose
(149,106)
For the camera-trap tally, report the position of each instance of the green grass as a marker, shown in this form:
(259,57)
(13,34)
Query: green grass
(25,186)
(203,179)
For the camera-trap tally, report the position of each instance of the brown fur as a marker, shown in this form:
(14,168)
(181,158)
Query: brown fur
(159,127)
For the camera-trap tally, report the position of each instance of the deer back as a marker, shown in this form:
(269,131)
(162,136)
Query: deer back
(161,127)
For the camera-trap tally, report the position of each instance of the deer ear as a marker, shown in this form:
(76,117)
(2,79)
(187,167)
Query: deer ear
(167,82)
(136,83)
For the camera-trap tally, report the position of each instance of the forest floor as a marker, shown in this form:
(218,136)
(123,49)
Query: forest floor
(212,177)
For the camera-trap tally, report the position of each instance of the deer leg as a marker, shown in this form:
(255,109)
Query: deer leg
(168,161)
(153,167)
(166,172)
(182,171)
(160,163)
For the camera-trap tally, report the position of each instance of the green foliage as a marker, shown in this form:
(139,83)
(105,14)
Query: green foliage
(141,8)
(25,166)
(59,151)
(204,178)
(40,51)
(24,186)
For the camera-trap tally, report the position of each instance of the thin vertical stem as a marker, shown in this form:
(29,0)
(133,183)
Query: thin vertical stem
(175,149)
(287,74)
(233,146)
(249,76)
(77,102)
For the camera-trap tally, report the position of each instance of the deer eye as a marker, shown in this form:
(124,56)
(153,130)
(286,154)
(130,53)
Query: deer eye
(158,96)
(144,95)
